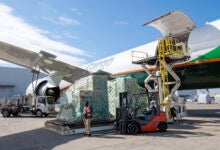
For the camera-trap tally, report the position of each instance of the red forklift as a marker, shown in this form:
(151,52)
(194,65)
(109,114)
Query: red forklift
(130,121)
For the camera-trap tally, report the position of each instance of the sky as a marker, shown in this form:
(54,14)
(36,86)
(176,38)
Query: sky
(82,31)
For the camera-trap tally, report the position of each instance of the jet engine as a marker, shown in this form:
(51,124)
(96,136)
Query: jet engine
(44,87)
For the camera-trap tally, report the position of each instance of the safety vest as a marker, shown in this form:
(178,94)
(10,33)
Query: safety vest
(88,112)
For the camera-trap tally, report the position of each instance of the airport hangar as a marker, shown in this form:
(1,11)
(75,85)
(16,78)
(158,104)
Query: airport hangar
(14,81)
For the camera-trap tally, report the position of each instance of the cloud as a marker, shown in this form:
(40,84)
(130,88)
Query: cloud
(14,30)
(67,21)
(64,36)
(60,20)
(70,36)
(47,6)
(120,23)
(76,11)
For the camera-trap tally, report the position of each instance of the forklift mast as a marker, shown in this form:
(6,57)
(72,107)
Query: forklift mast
(122,113)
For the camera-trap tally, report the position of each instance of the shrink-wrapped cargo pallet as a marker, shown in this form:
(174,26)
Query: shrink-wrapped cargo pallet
(124,84)
(104,99)
(93,89)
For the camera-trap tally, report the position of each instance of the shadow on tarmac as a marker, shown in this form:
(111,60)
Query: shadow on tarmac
(107,135)
(177,134)
(204,112)
(33,116)
(41,139)
(38,139)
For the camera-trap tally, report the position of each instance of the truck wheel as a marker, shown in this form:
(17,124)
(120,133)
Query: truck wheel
(162,127)
(45,114)
(15,114)
(39,113)
(132,128)
(6,113)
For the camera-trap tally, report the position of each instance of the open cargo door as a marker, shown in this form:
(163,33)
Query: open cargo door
(174,23)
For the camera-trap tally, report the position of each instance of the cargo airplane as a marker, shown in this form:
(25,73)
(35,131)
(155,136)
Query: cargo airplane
(200,71)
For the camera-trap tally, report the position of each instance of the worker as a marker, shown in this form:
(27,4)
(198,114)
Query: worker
(173,113)
(153,108)
(87,116)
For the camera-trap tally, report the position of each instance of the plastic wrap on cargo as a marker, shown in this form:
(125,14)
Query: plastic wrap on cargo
(124,84)
(103,98)
(93,89)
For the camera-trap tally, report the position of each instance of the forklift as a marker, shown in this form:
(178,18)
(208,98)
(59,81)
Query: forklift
(129,121)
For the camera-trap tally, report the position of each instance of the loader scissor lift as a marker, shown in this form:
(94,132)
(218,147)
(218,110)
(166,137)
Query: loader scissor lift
(162,79)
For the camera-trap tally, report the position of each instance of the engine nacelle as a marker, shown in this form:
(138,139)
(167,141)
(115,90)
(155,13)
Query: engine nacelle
(43,87)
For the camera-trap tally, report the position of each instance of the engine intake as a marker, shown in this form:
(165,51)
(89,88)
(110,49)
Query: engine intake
(44,88)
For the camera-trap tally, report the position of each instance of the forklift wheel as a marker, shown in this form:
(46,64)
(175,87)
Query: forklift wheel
(132,128)
(6,113)
(39,113)
(162,127)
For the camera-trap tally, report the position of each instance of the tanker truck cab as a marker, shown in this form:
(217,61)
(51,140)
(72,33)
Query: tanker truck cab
(44,105)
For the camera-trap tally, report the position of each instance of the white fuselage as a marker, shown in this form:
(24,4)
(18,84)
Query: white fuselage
(201,41)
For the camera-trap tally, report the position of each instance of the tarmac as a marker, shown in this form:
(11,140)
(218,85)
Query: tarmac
(200,130)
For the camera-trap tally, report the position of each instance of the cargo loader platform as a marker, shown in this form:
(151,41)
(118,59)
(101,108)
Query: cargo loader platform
(68,128)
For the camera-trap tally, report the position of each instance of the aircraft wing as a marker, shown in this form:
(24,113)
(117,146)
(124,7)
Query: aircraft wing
(42,61)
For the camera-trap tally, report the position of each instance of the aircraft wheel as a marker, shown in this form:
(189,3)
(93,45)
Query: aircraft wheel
(162,126)
(132,128)
(6,113)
